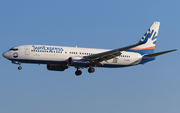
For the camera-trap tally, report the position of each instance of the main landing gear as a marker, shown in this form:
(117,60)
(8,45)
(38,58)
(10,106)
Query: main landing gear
(79,72)
(91,70)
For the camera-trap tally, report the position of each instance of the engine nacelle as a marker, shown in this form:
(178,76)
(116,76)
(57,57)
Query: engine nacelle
(78,61)
(56,67)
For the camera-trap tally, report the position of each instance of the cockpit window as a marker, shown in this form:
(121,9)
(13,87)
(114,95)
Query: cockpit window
(13,49)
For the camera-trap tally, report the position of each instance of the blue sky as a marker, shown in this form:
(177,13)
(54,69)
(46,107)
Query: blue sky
(111,24)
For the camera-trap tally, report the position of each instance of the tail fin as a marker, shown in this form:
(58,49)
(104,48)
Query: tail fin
(149,40)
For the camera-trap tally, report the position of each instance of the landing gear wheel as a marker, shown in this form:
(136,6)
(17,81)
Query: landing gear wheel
(78,72)
(91,70)
(19,68)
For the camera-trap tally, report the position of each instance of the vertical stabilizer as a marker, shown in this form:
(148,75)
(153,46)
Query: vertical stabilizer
(149,39)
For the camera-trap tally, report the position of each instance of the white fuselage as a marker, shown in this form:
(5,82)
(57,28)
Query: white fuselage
(43,54)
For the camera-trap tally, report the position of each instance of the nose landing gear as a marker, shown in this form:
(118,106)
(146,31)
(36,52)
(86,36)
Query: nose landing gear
(19,63)
(19,68)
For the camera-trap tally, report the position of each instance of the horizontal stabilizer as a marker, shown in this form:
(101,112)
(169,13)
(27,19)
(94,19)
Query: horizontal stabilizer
(160,53)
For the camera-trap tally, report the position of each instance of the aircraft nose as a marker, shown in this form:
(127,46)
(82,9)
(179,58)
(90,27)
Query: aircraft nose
(5,54)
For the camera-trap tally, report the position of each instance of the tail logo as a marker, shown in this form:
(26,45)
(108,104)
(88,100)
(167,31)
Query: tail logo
(149,38)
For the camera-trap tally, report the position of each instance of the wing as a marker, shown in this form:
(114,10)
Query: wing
(104,56)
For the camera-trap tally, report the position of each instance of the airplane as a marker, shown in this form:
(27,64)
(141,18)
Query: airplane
(60,58)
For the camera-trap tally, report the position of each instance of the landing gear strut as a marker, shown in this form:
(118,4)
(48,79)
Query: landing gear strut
(91,70)
(19,68)
(78,72)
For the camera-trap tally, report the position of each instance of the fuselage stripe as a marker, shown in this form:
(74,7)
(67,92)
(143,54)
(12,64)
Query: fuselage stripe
(153,47)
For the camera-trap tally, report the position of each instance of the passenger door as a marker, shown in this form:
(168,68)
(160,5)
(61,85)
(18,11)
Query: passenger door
(27,50)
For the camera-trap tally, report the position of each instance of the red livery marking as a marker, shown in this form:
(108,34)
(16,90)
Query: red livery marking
(143,48)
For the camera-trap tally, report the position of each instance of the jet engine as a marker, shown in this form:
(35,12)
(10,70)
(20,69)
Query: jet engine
(56,67)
